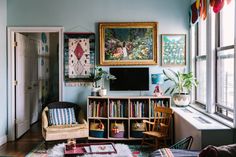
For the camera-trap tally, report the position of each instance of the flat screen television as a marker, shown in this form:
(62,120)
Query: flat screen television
(130,79)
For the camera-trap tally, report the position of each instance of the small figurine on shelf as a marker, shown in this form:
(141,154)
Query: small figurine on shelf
(158,80)
(157,91)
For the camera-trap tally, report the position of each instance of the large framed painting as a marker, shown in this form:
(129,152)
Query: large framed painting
(128,43)
(79,56)
(173,49)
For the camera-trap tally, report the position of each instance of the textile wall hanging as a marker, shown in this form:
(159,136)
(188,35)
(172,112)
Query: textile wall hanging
(79,58)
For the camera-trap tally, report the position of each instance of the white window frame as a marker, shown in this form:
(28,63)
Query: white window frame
(210,63)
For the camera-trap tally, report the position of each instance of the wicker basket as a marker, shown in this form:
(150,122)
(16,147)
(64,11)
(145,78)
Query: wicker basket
(137,129)
(96,129)
(117,130)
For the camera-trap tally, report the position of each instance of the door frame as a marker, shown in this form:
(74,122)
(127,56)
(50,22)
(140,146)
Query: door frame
(11,69)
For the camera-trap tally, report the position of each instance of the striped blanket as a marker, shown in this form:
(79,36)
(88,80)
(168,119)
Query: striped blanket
(166,152)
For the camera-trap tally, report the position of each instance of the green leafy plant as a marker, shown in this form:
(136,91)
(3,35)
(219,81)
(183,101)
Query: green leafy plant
(181,82)
(100,74)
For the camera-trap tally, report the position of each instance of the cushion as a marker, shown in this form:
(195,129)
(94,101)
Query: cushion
(61,116)
(221,151)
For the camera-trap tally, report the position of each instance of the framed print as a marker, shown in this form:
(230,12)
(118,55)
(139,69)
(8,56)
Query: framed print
(79,56)
(128,43)
(173,49)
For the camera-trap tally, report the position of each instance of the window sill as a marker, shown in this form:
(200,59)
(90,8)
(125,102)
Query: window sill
(213,116)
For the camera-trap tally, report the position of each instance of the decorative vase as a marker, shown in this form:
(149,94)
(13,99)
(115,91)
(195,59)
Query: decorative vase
(103,92)
(181,99)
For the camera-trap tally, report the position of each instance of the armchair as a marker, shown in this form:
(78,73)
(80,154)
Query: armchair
(67,131)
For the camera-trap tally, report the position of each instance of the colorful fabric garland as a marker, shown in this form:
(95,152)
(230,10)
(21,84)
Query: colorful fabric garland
(194,13)
(203,9)
(199,8)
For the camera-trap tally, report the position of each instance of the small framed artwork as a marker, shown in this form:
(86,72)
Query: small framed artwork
(79,56)
(128,43)
(173,49)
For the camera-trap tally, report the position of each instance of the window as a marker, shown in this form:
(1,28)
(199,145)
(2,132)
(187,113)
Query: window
(221,42)
(200,63)
(225,63)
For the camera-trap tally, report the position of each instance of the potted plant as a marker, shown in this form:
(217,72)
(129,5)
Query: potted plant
(102,75)
(181,86)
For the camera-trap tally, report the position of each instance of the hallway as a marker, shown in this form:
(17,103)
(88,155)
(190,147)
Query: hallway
(25,144)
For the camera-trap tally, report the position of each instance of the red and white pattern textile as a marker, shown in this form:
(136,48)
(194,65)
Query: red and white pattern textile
(79,58)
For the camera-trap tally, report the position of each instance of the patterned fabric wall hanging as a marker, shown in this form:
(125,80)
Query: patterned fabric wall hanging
(79,58)
(82,53)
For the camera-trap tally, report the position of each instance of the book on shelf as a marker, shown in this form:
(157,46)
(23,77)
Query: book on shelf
(163,103)
(118,108)
(97,109)
(138,109)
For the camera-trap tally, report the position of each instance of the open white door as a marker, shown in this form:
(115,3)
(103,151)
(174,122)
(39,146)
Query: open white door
(23,87)
(34,94)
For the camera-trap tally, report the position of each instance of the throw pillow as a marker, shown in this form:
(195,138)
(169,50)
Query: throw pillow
(61,116)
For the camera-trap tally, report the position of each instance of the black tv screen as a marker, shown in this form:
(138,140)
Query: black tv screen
(129,79)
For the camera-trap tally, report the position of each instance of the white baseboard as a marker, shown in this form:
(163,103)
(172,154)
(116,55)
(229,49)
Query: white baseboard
(3,140)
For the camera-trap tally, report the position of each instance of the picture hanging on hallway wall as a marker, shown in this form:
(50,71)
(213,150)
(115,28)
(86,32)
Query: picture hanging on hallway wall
(79,56)
(173,49)
(128,43)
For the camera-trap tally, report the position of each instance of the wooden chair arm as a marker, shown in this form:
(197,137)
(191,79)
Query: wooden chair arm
(146,121)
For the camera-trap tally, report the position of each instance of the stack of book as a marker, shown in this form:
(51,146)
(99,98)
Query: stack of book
(138,109)
(97,109)
(118,108)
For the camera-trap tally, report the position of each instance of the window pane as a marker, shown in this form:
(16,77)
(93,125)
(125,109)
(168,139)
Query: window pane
(227,25)
(202,37)
(225,78)
(201,77)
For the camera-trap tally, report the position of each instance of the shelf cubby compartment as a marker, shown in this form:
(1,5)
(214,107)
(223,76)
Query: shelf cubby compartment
(118,108)
(98,108)
(139,108)
(137,127)
(118,129)
(98,128)
(165,102)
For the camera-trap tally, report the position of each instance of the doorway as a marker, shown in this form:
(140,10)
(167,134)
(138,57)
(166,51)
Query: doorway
(34,74)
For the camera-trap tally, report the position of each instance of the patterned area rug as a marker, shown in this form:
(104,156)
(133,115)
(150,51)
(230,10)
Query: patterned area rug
(122,149)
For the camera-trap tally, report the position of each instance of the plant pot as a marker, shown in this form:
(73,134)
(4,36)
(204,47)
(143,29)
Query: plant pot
(103,92)
(94,91)
(181,99)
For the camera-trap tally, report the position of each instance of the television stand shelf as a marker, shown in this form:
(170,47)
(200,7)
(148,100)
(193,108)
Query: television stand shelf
(122,112)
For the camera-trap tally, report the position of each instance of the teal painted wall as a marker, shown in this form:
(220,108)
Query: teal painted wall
(3,66)
(83,16)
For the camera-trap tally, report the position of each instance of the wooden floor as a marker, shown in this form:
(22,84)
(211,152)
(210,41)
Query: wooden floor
(25,144)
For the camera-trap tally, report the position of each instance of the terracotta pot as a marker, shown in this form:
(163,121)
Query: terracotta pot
(181,99)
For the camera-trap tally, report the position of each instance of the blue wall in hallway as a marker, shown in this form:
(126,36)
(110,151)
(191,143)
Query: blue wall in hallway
(83,16)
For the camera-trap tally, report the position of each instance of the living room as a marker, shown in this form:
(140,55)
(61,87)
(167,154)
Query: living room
(205,29)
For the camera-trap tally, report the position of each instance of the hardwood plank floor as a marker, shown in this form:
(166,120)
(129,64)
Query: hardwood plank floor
(25,144)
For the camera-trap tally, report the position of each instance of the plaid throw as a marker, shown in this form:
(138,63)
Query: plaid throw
(166,152)
(61,116)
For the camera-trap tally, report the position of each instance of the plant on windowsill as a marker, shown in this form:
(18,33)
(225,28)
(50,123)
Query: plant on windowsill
(182,84)
(98,79)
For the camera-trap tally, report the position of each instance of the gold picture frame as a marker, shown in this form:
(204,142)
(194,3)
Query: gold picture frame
(128,43)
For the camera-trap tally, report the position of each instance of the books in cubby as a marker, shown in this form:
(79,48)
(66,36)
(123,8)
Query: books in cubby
(158,102)
(118,108)
(97,108)
(138,108)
